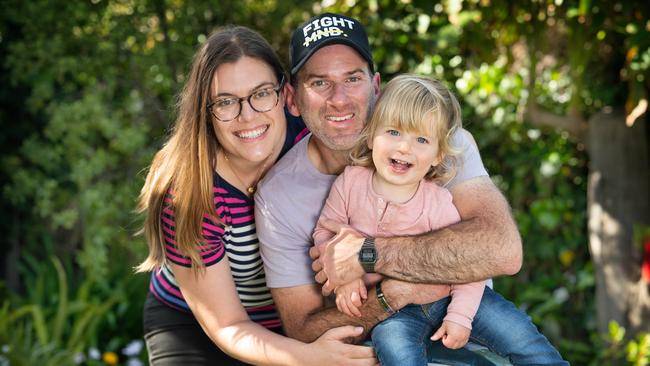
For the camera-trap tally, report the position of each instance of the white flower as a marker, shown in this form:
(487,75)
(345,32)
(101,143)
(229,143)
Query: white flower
(78,358)
(5,348)
(561,295)
(4,361)
(94,354)
(134,362)
(133,348)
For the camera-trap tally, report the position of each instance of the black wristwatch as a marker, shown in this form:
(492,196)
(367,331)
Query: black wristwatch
(368,255)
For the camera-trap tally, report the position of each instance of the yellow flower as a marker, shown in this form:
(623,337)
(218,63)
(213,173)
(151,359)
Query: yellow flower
(567,256)
(110,358)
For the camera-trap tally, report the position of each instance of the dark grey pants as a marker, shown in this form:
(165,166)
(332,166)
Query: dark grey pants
(174,337)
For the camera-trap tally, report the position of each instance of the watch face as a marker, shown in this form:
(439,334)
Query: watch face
(367,255)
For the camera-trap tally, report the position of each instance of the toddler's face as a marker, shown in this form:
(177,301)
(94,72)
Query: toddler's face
(403,158)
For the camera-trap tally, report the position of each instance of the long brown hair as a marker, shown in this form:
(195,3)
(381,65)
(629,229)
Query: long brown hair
(184,166)
(416,103)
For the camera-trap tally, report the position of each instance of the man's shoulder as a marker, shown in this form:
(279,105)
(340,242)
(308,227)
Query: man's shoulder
(285,171)
(462,139)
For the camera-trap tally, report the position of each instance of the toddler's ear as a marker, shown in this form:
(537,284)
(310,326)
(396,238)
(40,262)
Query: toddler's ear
(369,143)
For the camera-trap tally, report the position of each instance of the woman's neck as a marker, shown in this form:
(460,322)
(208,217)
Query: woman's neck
(241,173)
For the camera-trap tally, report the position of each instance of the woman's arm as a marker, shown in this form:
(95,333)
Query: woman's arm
(214,301)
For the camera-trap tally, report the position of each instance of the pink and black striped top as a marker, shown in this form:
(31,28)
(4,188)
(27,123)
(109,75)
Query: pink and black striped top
(234,238)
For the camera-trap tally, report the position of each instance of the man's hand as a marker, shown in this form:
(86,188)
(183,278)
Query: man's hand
(399,293)
(339,262)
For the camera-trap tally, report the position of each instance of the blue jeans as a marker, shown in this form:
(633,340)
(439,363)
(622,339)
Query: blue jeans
(403,339)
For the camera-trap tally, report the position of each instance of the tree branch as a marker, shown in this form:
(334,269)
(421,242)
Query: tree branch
(572,123)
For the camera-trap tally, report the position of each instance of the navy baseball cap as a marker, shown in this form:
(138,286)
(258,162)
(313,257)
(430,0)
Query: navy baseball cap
(327,29)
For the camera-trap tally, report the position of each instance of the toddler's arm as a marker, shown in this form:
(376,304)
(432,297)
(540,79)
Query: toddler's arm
(371,279)
(465,299)
(457,324)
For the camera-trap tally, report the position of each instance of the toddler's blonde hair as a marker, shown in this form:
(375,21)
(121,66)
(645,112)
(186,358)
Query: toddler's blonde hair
(416,103)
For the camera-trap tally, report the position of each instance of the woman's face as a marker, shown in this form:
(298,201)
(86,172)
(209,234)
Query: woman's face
(252,136)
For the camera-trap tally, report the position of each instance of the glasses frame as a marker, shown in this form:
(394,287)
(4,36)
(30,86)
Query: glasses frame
(247,98)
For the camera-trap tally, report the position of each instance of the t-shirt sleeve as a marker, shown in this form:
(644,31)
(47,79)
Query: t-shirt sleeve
(284,252)
(471,163)
(211,249)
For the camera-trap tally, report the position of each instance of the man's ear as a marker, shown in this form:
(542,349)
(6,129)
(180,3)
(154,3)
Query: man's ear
(376,84)
(290,100)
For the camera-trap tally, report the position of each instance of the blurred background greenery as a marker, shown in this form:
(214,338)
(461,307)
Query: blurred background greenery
(554,91)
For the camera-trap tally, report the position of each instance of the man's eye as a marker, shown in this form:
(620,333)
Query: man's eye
(222,103)
(354,79)
(422,140)
(319,83)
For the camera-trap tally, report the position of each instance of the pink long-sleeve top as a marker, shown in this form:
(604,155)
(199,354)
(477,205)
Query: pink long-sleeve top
(353,201)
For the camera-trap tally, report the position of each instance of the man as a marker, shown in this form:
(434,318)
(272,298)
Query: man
(334,87)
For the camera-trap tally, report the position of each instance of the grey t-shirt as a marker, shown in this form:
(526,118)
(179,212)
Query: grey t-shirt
(289,201)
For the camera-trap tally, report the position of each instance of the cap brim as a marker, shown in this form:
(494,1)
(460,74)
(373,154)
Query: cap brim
(328,42)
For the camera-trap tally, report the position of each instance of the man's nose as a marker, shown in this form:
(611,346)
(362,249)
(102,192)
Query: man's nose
(339,94)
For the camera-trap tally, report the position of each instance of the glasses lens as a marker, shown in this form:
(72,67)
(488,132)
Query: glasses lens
(226,109)
(264,100)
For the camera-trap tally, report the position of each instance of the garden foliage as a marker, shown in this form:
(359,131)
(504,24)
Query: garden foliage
(88,95)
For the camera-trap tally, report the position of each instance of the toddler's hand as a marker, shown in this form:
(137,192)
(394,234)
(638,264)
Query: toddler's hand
(453,335)
(350,297)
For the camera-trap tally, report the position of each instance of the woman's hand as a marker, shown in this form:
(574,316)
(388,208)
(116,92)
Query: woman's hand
(331,349)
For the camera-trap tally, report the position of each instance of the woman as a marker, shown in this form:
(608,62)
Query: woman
(203,249)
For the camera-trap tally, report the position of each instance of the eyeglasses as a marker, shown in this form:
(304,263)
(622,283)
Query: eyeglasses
(263,100)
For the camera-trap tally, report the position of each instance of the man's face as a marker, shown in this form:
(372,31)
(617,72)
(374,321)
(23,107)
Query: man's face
(334,94)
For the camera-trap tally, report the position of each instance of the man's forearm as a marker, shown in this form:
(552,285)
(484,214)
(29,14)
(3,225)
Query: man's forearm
(485,244)
(324,319)
(471,250)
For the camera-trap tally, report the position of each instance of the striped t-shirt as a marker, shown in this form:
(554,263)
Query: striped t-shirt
(235,238)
